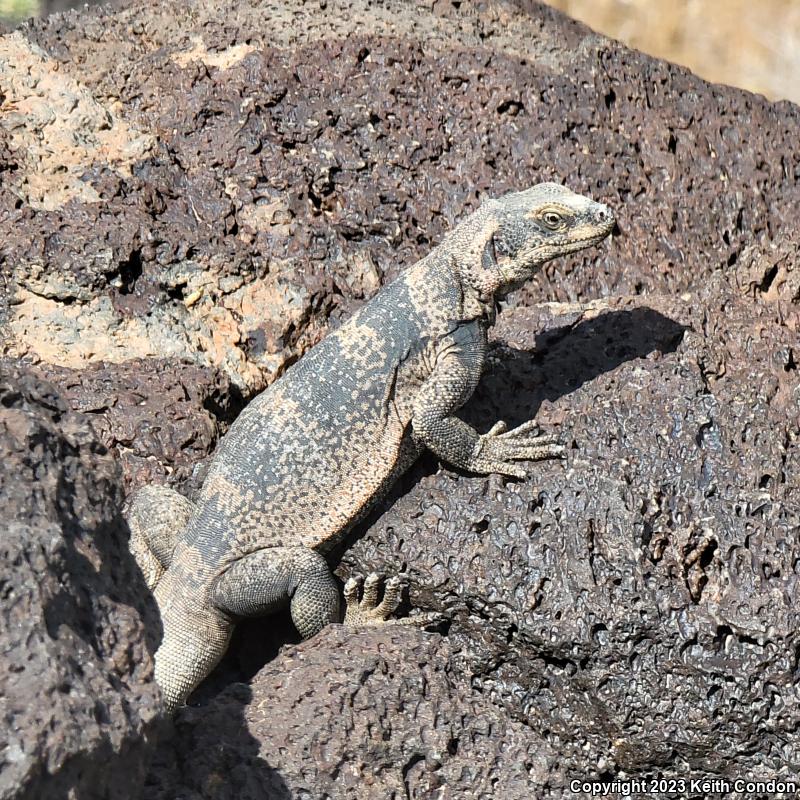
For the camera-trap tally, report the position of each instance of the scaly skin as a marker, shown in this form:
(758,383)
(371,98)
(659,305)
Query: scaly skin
(309,455)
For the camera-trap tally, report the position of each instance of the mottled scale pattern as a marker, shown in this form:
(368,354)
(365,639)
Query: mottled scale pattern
(155,521)
(312,453)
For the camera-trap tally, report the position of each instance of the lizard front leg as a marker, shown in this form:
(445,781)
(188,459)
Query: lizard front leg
(451,383)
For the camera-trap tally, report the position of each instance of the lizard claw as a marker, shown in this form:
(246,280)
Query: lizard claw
(498,428)
(500,448)
(368,611)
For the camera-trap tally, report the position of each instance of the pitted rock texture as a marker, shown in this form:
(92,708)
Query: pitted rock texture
(298,155)
(357,734)
(632,609)
(76,693)
(305,144)
(161,416)
(639,603)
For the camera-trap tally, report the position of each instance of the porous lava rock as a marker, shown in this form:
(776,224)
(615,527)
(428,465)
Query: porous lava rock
(234,178)
(381,714)
(77,627)
(637,605)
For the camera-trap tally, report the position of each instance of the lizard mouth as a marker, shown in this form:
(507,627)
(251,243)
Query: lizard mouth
(550,250)
(572,244)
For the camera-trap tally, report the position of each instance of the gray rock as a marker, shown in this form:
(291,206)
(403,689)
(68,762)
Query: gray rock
(637,605)
(77,698)
(630,612)
(380,713)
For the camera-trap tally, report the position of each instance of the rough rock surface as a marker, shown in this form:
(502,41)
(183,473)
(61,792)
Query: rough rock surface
(238,176)
(161,416)
(637,605)
(401,720)
(233,176)
(76,694)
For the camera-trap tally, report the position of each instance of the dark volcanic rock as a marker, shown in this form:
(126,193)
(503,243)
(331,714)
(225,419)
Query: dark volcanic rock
(381,713)
(192,194)
(213,185)
(633,610)
(162,416)
(77,697)
(637,605)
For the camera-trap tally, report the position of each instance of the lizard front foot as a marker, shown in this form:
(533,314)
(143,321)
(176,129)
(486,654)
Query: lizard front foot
(498,449)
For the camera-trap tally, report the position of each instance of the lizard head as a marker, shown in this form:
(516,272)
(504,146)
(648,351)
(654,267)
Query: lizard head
(523,230)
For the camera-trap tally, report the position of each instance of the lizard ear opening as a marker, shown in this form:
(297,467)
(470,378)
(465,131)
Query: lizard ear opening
(489,255)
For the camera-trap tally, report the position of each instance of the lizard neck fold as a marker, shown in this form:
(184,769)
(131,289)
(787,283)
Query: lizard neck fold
(474,261)
(478,303)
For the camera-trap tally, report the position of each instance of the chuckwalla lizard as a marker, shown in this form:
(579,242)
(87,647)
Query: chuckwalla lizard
(310,454)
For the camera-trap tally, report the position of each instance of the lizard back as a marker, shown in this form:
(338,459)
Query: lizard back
(308,456)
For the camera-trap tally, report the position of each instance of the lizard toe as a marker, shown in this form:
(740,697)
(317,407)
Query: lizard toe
(351,591)
(367,610)
(392,593)
(498,429)
(371,588)
(424,620)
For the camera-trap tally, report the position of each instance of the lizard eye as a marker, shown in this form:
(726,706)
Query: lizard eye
(552,219)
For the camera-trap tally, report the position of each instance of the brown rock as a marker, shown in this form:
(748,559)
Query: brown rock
(77,696)
(630,612)
(633,600)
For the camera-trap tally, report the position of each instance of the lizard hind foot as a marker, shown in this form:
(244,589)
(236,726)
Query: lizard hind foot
(367,610)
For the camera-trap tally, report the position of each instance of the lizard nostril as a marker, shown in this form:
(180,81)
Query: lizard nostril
(602,215)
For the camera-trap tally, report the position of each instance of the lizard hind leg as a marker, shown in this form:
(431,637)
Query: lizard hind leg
(266,581)
(156,517)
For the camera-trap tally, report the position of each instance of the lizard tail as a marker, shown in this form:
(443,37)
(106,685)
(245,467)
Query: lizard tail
(194,641)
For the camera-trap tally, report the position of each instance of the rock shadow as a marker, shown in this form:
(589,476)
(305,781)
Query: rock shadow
(564,359)
(230,767)
(118,577)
